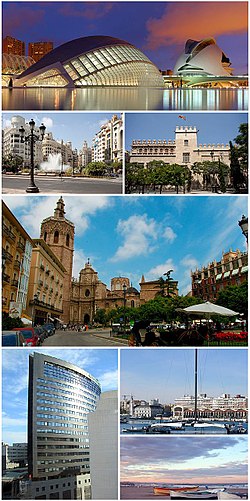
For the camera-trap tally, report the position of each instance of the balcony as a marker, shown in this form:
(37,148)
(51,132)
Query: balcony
(7,255)
(46,287)
(17,264)
(14,283)
(40,282)
(52,277)
(47,272)
(41,267)
(51,290)
(6,278)
(5,230)
(12,235)
(20,245)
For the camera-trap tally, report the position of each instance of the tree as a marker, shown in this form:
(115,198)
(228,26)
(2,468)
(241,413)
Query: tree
(100,316)
(242,144)
(96,169)
(236,174)
(234,297)
(12,163)
(9,323)
(212,172)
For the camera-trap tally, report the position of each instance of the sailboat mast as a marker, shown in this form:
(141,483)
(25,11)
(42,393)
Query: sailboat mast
(195,384)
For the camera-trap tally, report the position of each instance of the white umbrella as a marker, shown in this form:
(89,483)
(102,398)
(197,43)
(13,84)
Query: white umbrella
(210,309)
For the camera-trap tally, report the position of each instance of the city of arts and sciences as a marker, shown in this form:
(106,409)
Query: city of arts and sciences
(178,57)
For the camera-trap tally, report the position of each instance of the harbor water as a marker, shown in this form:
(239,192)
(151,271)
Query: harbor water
(137,426)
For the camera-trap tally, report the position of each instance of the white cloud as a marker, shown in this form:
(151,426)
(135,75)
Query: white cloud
(79,262)
(158,270)
(169,234)
(109,380)
(13,422)
(138,233)
(189,262)
(48,122)
(35,209)
(11,437)
(6,122)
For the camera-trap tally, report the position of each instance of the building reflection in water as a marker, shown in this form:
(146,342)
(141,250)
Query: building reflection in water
(124,99)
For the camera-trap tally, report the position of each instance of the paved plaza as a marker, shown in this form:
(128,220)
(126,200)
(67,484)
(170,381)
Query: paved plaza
(54,184)
(92,337)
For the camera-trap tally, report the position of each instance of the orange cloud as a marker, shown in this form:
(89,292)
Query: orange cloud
(196,20)
(93,10)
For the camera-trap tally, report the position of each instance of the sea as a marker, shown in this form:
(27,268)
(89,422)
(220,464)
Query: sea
(146,491)
(188,430)
(124,98)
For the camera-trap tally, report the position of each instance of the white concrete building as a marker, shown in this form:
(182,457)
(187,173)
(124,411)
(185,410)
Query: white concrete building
(12,144)
(85,155)
(103,447)
(108,142)
(51,146)
(224,406)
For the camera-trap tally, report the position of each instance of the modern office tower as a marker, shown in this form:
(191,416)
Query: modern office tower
(60,398)
(13,46)
(58,233)
(103,447)
(38,49)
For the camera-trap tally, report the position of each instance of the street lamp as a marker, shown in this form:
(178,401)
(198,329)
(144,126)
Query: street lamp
(31,139)
(35,300)
(124,287)
(243,224)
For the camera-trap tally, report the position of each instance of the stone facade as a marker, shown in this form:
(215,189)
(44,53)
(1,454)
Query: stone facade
(232,269)
(151,289)
(58,232)
(184,150)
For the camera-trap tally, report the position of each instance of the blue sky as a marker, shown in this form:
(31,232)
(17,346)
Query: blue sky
(168,374)
(132,235)
(102,364)
(159,29)
(212,127)
(200,460)
(74,127)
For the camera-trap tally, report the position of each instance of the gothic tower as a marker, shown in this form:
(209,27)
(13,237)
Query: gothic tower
(58,233)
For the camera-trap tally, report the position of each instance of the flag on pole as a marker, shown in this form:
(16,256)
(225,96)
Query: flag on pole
(182,116)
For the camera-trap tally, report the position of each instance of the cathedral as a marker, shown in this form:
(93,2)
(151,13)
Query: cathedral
(83,297)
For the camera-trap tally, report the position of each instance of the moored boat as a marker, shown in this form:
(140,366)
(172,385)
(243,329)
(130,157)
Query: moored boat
(207,494)
(161,491)
(228,495)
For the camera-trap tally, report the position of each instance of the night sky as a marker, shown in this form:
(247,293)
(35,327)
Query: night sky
(159,29)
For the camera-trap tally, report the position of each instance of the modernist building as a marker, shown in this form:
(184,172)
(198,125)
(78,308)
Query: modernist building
(16,260)
(108,142)
(45,292)
(37,50)
(224,406)
(103,447)
(60,397)
(232,269)
(12,144)
(58,232)
(94,60)
(17,453)
(183,150)
(13,46)
(203,57)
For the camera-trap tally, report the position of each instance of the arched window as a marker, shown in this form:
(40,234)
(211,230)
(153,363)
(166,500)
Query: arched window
(45,236)
(87,293)
(56,237)
(132,304)
(67,240)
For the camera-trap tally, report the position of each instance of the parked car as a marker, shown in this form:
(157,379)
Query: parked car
(30,334)
(50,328)
(41,332)
(13,338)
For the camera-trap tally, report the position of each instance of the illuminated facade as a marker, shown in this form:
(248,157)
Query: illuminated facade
(60,397)
(93,61)
(37,50)
(13,46)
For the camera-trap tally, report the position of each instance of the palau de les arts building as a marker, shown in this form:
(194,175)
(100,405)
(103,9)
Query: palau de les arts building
(104,61)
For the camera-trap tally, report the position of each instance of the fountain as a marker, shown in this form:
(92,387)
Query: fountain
(54,164)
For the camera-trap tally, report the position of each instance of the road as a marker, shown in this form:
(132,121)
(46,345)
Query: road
(92,337)
(53,184)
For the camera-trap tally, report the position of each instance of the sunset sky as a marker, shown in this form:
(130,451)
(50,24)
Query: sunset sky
(184,459)
(160,29)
